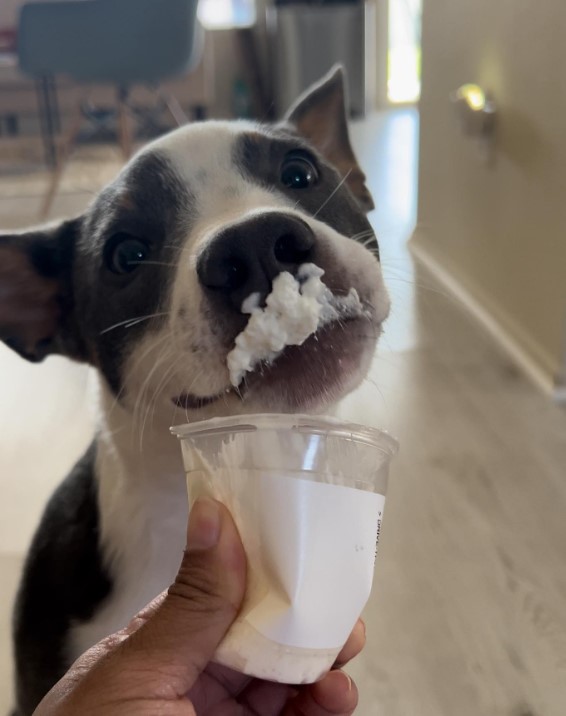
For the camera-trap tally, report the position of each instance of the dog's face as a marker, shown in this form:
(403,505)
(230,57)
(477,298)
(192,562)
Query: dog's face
(148,285)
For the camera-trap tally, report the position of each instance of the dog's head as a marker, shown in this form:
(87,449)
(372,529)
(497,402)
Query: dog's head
(148,284)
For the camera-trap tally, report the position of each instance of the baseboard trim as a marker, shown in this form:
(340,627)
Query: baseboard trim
(496,329)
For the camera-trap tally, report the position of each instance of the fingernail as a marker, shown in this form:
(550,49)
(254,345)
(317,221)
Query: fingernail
(204,525)
(342,676)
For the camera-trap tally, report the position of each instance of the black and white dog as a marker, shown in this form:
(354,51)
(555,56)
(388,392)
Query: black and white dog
(147,287)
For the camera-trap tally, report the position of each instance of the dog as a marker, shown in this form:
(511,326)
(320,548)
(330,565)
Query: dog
(147,286)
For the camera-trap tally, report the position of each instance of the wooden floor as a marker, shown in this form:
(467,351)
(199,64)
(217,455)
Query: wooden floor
(468,612)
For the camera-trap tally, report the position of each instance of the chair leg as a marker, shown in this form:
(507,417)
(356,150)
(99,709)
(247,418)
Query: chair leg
(62,156)
(46,98)
(175,109)
(124,125)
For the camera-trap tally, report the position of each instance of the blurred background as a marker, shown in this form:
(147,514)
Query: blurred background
(457,116)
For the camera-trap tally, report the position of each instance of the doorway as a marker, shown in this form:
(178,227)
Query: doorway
(404,51)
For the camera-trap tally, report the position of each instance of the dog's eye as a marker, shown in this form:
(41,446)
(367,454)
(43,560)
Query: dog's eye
(125,253)
(298,173)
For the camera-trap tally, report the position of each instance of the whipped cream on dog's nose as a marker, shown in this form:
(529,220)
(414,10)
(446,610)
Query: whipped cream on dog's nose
(295,309)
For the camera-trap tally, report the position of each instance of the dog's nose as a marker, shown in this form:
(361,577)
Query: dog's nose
(245,258)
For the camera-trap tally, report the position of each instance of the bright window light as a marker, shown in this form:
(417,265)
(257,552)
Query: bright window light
(404,61)
(222,14)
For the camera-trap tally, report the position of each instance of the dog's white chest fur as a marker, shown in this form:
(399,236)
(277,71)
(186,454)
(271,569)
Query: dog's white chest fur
(143,517)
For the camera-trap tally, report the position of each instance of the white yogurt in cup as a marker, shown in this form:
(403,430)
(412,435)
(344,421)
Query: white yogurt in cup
(307,494)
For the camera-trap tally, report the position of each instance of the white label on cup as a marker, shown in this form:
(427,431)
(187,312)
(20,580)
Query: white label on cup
(319,572)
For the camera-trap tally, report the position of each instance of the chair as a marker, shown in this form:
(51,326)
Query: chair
(118,42)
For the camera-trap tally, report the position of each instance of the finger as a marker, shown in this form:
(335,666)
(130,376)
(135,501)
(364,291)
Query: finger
(265,697)
(178,640)
(354,645)
(216,684)
(144,615)
(336,694)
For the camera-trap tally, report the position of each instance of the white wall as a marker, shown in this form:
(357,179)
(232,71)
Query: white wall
(499,230)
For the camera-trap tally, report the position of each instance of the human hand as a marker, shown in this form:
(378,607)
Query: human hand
(160,663)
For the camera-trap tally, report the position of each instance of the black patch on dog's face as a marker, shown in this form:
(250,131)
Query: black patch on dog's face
(260,158)
(148,202)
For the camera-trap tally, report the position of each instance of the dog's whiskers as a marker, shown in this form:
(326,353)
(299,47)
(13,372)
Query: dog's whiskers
(158,392)
(164,354)
(324,203)
(364,237)
(361,234)
(417,284)
(140,405)
(373,383)
(147,406)
(129,322)
(187,389)
(139,360)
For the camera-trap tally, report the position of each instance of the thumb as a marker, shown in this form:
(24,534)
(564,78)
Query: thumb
(178,640)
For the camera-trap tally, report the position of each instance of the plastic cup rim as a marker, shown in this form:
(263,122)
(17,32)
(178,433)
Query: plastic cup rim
(315,424)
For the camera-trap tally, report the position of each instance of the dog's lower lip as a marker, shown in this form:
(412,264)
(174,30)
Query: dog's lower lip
(305,373)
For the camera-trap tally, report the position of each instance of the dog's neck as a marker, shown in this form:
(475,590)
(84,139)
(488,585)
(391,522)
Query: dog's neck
(143,511)
(141,490)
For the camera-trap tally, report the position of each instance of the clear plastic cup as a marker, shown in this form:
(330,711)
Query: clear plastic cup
(307,494)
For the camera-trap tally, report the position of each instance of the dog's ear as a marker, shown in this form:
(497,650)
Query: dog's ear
(35,270)
(319,115)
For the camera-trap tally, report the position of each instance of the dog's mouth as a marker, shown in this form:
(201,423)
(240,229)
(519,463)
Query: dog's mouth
(187,401)
(322,370)
(326,366)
